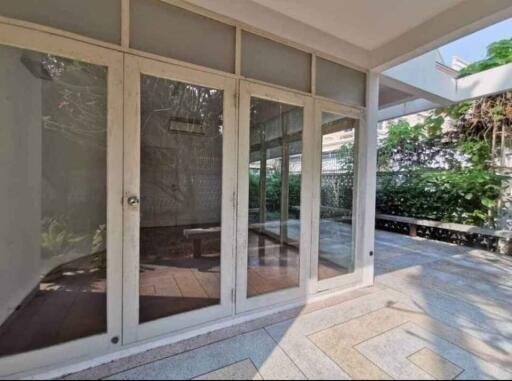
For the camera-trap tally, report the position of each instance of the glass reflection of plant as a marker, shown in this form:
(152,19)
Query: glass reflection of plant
(57,239)
(99,246)
(74,122)
(75,101)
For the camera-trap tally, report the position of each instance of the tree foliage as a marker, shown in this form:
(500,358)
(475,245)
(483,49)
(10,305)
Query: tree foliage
(498,53)
(450,168)
(427,173)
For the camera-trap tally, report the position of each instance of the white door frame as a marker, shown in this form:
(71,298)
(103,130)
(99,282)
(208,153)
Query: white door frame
(134,67)
(24,38)
(249,89)
(354,278)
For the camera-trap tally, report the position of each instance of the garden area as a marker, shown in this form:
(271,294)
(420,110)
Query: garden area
(455,166)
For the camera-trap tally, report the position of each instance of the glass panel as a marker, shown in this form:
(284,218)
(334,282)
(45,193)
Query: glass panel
(272,62)
(53,146)
(181,189)
(100,19)
(174,32)
(274,197)
(341,83)
(336,255)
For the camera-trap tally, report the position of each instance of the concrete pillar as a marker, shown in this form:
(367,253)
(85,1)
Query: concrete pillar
(366,179)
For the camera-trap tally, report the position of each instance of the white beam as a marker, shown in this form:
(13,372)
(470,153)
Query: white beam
(456,22)
(489,82)
(421,78)
(406,108)
(415,89)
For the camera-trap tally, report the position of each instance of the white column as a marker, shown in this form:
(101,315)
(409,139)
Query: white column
(366,184)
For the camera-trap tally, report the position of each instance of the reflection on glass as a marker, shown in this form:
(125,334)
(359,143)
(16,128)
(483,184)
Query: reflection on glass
(53,141)
(336,255)
(274,196)
(181,189)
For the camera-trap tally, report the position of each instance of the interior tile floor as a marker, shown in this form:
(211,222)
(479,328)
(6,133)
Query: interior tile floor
(69,307)
(437,311)
(172,281)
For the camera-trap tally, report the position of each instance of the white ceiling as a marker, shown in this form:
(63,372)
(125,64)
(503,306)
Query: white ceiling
(383,20)
(376,34)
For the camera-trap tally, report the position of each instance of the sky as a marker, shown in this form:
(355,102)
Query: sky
(473,47)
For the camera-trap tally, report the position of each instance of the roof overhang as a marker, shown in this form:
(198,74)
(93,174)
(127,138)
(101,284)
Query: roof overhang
(396,38)
(368,34)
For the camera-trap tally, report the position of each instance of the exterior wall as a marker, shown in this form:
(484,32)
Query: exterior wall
(20,174)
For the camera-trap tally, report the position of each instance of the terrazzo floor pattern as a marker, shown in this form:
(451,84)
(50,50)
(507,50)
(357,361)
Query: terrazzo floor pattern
(437,311)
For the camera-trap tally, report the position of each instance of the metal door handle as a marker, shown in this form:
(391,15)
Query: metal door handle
(133,201)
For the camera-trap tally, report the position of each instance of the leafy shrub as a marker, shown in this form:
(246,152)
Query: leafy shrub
(498,53)
(461,196)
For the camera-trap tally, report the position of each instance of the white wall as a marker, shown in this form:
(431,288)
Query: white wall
(20,180)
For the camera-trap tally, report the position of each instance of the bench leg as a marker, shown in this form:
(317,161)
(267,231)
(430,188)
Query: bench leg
(261,249)
(197,248)
(413,230)
(504,246)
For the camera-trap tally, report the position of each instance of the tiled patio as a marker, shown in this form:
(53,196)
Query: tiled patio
(437,311)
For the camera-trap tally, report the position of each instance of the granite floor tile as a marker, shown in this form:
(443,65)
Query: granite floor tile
(338,342)
(243,370)
(270,361)
(435,365)
(391,351)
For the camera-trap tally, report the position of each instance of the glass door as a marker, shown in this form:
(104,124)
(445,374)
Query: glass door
(274,196)
(61,182)
(179,197)
(334,254)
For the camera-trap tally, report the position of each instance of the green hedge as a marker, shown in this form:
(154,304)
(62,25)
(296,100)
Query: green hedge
(461,196)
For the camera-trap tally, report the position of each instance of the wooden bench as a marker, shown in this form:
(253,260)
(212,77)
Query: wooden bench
(198,234)
(504,236)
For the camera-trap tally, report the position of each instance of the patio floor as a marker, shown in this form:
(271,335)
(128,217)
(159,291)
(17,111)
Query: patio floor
(437,311)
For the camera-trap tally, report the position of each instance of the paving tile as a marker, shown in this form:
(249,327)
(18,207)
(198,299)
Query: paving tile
(391,350)
(292,335)
(475,269)
(311,360)
(485,320)
(328,317)
(435,365)
(243,370)
(418,279)
(338,342)
(160,353)
(270,361)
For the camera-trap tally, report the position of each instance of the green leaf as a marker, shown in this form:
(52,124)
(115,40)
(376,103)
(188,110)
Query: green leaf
(487,202)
